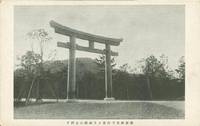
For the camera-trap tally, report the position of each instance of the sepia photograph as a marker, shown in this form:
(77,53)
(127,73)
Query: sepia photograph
(99,62)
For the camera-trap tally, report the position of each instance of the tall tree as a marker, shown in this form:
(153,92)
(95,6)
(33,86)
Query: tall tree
(181,69)
(29,64)
(42,37)
(154,68)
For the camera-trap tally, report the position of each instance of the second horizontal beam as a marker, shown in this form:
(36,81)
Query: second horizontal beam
(86,49)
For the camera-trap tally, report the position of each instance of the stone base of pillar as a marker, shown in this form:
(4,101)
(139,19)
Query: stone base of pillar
(109,99)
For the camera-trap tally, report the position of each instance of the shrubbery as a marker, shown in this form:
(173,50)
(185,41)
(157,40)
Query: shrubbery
(90,82)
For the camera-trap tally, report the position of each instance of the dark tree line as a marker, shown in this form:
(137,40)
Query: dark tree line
(155,82)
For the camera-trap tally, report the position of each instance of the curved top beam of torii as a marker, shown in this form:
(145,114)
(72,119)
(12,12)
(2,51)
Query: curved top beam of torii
(83,35)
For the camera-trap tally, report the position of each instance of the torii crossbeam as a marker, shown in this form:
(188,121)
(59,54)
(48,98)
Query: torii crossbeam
(72,46)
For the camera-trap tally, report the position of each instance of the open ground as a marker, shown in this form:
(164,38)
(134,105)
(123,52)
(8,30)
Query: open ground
(99,109)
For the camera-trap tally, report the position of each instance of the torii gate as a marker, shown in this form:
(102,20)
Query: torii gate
(72,46)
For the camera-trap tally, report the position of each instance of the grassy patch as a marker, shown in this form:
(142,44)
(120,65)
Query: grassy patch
(90,110)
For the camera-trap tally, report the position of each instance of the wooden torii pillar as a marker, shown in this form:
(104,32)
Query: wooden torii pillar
(72,46)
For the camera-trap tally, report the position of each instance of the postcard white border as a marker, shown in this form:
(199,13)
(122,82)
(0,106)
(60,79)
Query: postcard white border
(192,40)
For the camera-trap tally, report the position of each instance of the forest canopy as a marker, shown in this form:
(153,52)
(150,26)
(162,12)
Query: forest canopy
(155,82)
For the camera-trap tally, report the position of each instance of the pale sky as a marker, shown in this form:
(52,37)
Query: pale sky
(145,29)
